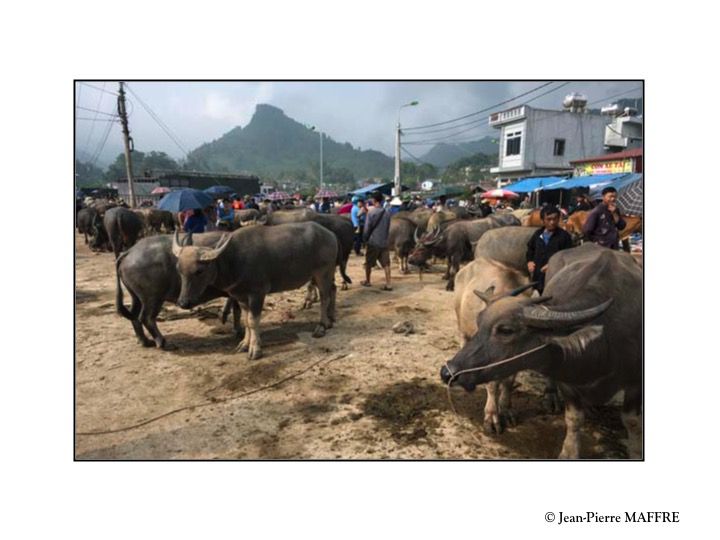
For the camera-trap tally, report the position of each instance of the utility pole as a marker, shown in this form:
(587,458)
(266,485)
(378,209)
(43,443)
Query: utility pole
(127,140)
(321,160)
(397,188)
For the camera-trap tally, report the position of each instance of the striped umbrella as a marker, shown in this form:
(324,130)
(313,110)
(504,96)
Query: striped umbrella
(630,198)
(321,194)
(278,196)
(500,194)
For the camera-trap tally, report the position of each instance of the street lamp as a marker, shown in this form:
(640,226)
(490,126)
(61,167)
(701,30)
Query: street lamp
(312,128)
(397,188)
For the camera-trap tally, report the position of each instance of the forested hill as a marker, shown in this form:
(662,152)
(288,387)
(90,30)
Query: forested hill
(443,154)
(274,146)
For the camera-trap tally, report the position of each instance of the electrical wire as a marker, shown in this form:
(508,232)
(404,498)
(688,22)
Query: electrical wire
(92,125)
(157,119)
(96,111)
(482,110)
(444,139)
(98,88)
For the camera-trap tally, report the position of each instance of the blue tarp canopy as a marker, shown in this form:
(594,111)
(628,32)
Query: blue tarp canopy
(529,185)
(592,181)
(620,183)
(385,189)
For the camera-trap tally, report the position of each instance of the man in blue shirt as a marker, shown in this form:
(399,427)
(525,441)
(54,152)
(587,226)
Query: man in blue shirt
(548,240)
(357,216)
(196,222)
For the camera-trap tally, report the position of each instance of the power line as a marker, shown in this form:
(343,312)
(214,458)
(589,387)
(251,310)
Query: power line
(481,110)
(98,88)
(159,122)
(444,139)
(415,157)
(92,126)
(96,119)
(484,119)
(96,111)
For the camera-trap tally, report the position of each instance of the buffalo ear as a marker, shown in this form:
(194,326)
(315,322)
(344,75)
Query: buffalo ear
(580,343)
(486,296)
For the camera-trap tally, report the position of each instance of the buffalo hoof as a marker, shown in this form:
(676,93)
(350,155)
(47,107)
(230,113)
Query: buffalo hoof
(242,347)
(147,342)
(450,286)
(254,353)
(496,423)
(307,304)
(319,331)
(344,286)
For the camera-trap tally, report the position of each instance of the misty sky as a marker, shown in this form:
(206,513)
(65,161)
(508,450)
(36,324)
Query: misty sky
(362,113)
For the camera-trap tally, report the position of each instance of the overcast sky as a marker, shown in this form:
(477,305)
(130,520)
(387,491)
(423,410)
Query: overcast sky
(362,113)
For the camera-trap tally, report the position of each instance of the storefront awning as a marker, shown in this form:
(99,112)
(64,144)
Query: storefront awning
(529,185)
(591,182)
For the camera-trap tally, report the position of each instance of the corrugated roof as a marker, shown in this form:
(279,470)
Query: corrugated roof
(633,152)
(591,181)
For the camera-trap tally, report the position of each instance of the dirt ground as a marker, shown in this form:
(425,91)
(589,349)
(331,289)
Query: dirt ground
(374,394)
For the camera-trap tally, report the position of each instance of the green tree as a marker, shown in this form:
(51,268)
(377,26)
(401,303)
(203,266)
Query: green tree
(88,175)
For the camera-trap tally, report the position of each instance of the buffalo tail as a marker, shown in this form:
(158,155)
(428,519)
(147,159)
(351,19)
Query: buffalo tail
(119,306)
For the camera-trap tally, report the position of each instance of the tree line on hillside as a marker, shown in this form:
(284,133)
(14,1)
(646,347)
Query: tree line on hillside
(469,169)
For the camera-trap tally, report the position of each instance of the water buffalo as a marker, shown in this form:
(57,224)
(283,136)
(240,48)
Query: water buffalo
(475,286)
(585,332)
(84,221)
(245,217)
(156,220)
(122,227)
(506,245)
(454,242)
(148,272)
(401,239)
(256,261)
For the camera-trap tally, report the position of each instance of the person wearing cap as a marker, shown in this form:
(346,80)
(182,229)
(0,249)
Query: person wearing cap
(395,205)
(604,221)
(376,233)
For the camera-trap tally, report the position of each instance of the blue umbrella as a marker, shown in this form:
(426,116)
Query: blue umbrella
(219,190)
(185,199)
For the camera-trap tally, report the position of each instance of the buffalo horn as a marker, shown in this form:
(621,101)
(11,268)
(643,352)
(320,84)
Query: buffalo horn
(544,317)
(214,253)
(486,296)
(176,247)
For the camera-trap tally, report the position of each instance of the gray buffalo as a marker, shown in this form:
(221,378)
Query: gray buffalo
(121,228)
(84,222)
(253,262)
(585,332)
(148,271)
(401,239)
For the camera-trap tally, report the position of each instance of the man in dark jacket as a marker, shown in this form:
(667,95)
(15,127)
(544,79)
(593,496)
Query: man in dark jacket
(604,222)
(548,240)
(375,235)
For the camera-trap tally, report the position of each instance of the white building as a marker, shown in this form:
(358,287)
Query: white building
(536,142)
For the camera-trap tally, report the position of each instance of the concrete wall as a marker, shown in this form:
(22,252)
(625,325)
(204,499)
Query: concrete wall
(584,136)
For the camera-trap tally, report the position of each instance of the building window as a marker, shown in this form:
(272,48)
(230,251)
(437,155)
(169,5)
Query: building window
(512,143)
(559,148)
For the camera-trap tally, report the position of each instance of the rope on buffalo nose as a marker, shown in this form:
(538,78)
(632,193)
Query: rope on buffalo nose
(482,368)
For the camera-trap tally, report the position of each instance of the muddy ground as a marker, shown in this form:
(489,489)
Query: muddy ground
(375,394)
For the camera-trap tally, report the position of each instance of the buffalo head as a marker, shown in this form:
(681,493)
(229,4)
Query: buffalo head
(511,326)
(197,267)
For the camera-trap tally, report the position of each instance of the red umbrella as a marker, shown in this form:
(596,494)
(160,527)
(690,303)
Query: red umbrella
(278,196)
(321,194)
(500,194)
(160,190)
